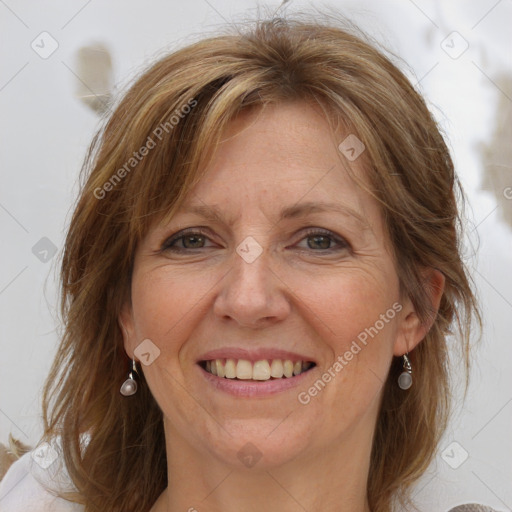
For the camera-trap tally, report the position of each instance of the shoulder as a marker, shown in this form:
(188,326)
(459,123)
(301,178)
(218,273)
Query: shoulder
(25,485)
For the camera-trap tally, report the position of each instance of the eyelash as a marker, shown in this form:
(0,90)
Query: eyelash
(167,245)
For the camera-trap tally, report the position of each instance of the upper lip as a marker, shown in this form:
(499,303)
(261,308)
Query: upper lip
(253,355)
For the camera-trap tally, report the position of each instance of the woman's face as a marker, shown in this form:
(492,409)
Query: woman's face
(276,275)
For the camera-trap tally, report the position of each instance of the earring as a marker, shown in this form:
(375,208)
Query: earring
(129,386)
(405,378)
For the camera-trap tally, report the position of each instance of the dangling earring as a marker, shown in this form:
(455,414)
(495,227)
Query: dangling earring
(129,386)
(405,379)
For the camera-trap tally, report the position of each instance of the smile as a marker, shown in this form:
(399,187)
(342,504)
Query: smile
(262,370)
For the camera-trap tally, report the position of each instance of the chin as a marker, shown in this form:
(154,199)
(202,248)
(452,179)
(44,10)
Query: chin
(261,444)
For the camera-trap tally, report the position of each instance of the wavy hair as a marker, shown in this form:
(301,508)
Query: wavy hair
(177,110)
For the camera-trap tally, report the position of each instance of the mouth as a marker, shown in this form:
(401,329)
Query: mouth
(258,371)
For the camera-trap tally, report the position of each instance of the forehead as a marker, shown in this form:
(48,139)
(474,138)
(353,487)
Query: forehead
(282,157)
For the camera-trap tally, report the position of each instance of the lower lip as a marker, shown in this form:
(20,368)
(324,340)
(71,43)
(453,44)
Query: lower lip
(251,388)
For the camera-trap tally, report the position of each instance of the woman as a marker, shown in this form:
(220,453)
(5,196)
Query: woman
(258,282)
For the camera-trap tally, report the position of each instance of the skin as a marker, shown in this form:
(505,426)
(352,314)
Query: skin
(298,295)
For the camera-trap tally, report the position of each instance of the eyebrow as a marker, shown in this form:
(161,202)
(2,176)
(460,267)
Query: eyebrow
(214,213)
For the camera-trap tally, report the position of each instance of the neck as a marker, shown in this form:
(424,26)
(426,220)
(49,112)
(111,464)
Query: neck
(331,479)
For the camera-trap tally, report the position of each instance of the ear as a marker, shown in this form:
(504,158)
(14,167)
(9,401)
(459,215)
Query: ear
(411,330)
(126,323)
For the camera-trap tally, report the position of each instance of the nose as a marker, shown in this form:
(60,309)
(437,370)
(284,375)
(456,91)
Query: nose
(252,294)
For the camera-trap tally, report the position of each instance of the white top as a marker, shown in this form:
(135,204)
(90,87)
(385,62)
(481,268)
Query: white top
(22,489)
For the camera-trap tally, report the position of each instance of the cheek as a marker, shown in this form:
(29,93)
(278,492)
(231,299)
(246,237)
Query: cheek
(350,303)
(165,305)
(355,316)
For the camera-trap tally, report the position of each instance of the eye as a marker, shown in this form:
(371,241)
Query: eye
(194,238)
(190,239)
(322,239)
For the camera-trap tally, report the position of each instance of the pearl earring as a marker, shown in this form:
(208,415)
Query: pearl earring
(129,386)
(405,378)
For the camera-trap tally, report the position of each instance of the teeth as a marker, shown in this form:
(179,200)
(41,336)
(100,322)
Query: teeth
(260,370)
(230,369)
(288,368)
(220,368)
(243,369)
(276,369)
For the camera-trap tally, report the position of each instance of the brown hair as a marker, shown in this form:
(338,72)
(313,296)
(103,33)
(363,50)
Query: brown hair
(411,175)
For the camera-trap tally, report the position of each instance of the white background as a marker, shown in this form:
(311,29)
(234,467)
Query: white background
(45,131)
